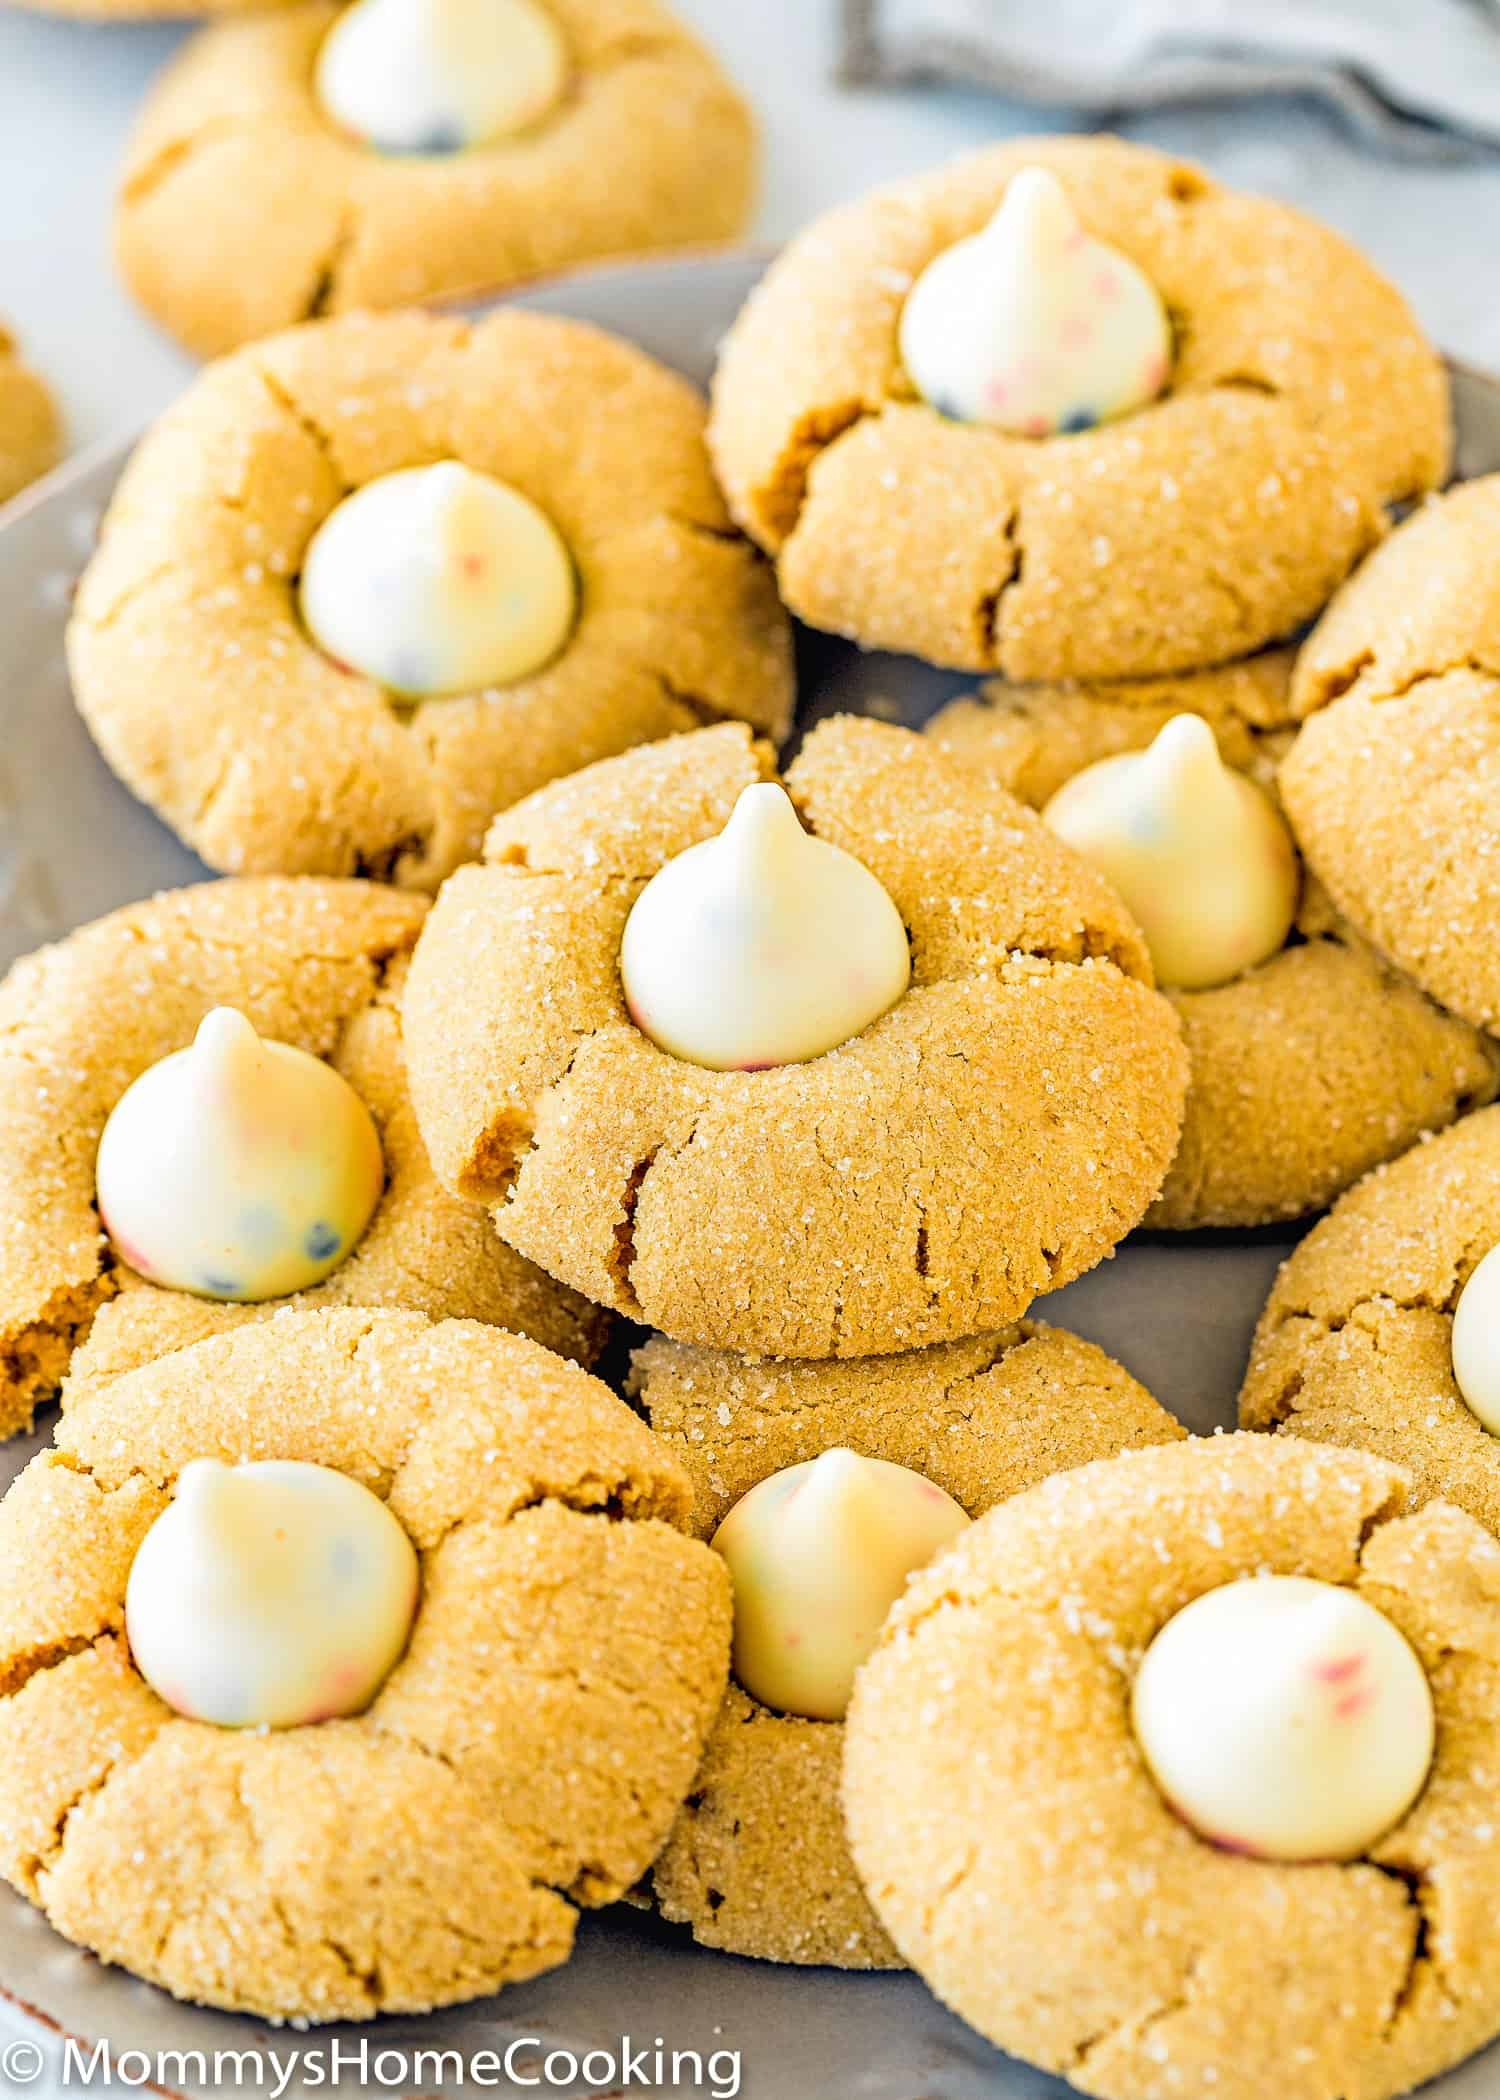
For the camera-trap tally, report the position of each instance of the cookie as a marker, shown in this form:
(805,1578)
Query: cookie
(1015,1845)
(306,767)
(30,430)
(316,964)
(526,1754)
(993,1134)
(758,1863)
(646,146)
(1355,1345)
(142,10)
(1307,1069)
(1391,784)
(1301,403)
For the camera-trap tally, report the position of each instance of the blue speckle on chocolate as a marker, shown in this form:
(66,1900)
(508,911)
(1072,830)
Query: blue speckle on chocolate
(1080,419)
(219,1286)
(343,1561)
(321,1241)
(442,139)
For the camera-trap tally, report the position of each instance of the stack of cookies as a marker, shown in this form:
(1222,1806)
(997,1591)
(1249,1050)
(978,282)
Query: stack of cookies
(536,1263)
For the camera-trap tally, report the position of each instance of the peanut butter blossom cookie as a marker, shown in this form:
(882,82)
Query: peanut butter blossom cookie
(1312,1058)
(422,567)
(142,10)
(829,1068)
(1066,408)
(341,1657)
(396,151)
(1172,1717)
(206,1116)
(1393,783)
(30,431)
(1380,1330)
(824,1486)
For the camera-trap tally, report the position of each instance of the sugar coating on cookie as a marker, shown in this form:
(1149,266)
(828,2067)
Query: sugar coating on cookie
(270,1595)
(1031,325)
(1301,402)
(438,580)
(763,945)
(30,427)
(1195,848)
(1025,1861)
(819,1553)
(525,1755)
(1285,1718)
(1257,1143)
(438,76)
(1476,1342)
(237,1168)
(401,151)
(995,1132)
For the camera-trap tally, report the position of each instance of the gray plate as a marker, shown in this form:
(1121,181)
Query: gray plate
(73,844)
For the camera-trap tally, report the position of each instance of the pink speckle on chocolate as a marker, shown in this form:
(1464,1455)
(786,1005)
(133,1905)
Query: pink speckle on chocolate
(1154,373)
(764,1064)
(127,1250)
(1106,287)
(1077,332)
(1353,1704)
(1036,426)
(340,1683)
(1076,240)
(995,393)
(1228,1844)
(1217,1838)
(1340,1670)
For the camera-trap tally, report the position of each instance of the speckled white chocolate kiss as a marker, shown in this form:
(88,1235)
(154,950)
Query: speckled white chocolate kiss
(1476,1342)
(238,1169)
(438,580)
(1285,1718)
(763,946)
(440,76)
(270,1595)
(819,1553)
(1198,852)
(1031,325)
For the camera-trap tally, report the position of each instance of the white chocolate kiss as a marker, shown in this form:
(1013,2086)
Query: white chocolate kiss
(270,1595)
(1285,1718)
(238,1169)
(437,76)
(763,946)
(1031,325)
(438,580)
(1198,852)
(819,1553)
(1476,1342)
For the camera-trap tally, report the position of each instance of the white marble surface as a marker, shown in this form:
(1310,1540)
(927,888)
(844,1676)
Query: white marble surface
(68,91)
